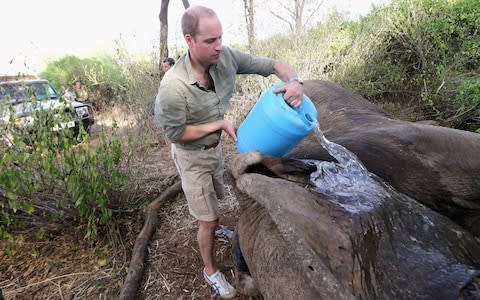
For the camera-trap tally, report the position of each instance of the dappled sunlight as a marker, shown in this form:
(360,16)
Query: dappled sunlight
(118,116)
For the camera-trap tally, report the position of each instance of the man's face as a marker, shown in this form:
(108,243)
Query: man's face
(206,47)
(166,66)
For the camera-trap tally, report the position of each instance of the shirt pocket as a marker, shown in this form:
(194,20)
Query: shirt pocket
(202,107)
(198,198)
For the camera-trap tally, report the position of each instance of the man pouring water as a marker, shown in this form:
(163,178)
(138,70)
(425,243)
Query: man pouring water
(190,106)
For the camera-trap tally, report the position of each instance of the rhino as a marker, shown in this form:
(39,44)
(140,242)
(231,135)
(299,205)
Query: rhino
(296,242)
(438,166)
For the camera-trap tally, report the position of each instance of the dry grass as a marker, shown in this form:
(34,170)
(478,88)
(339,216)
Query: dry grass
(60,268)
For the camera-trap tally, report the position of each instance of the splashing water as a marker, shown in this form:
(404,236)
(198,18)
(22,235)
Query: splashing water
(348,181)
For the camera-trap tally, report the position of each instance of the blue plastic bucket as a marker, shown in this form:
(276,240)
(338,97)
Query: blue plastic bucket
(274,128)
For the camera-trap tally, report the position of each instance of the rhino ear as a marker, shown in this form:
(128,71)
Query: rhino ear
(241,162)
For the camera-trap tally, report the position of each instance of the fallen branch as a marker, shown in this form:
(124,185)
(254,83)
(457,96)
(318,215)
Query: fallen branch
(136,268)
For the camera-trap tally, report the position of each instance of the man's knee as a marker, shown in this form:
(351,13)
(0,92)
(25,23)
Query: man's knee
(209,225)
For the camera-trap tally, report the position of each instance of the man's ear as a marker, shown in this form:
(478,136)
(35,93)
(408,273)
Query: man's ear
(189,39)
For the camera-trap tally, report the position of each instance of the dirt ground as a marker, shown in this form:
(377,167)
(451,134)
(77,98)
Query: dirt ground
(174,267)
(63,266)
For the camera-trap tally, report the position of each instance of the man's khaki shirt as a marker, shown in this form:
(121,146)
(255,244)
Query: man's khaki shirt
(81,95)
(181,101)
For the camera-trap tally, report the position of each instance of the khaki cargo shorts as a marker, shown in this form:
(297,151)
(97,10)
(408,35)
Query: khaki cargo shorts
(201,172)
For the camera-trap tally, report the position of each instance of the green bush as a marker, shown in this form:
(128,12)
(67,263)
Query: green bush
(102,77)
(53,177)
(143,78)
(421,53)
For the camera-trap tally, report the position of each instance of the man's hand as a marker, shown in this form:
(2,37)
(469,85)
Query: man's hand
(230,130)
(293,93)
(293,89)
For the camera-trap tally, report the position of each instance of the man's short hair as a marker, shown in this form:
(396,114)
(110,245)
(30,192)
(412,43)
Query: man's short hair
(191,16)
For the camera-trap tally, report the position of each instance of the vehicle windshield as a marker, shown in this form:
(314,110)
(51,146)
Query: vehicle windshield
(26,91)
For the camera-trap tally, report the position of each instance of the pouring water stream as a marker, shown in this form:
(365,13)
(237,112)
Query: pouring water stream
(347,180)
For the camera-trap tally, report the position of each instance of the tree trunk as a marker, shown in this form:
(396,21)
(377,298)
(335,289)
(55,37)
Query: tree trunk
(136,268)
(298,15)
(249,19)
(163,30)
(295,15)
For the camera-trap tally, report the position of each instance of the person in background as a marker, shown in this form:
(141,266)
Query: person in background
(167,63)
(190,106)
(68,95)
(81,95)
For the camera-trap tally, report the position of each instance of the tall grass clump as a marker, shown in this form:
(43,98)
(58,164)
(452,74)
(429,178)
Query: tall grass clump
(143,77)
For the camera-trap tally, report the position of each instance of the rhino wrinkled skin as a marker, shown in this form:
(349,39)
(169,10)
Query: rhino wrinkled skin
(301,244)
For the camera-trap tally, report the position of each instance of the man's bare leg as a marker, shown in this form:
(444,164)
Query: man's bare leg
(206,238)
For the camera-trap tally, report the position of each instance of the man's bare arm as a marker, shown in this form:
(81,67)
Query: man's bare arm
(195,132)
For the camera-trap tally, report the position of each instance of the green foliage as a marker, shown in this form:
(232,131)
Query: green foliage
(63,181)
(423,52)
(469,92)
(143,78)
(102,77)
(110,79)
(54,176)
(466,104)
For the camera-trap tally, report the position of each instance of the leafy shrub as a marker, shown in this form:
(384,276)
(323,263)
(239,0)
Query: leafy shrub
(53,177)
(143,78)
(465,110)
(423,53)
(101,76)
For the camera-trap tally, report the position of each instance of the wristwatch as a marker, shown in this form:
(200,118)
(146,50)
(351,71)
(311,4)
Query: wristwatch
(296,78)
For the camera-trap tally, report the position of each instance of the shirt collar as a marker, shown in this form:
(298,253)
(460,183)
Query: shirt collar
(188,64)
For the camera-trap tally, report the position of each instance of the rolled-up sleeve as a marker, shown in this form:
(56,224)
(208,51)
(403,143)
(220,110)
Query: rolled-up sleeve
(170,111)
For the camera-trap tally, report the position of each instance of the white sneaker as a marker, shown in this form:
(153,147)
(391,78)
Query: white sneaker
(220,285)
(223,232)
